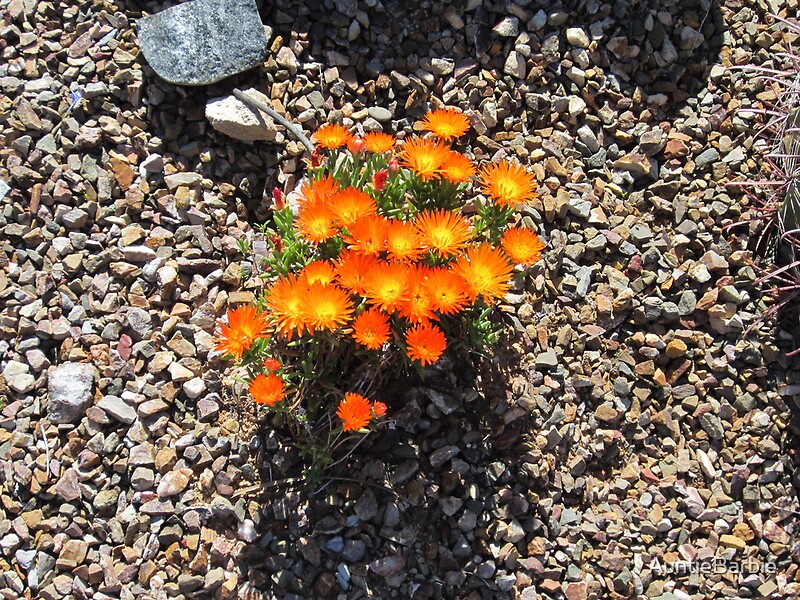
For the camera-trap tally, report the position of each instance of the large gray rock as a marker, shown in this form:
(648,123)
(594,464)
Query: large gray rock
(69,387)
(203,41)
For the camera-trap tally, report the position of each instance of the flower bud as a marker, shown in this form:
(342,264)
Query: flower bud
(379,179)
(277,197)
(355,145)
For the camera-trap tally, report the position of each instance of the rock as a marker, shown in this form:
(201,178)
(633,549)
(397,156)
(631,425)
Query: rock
(69,392)
(234,118)
(18,377)
(174,482)
(577,37)
(118,408)
(203,41)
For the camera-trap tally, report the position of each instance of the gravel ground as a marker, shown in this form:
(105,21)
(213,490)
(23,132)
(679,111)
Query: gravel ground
(631,419)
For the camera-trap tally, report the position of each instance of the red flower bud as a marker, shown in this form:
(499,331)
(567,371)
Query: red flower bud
(379,179)
(316,157)
(394,165)
(355,145)
(277,196)
(277,241)
(379,408)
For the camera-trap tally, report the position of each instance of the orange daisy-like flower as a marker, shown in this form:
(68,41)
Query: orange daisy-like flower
(355,411)
(371,329)
(447,290)
(403,241)
(332,136)
(245,326)
(267,389)
(319,271)
(318,190)
(387,286)
(378,142)
(522,245)
(418,306)
(446,123)
(458,168)
(315,222)
(286,305)
(368,235)
(350,204)
(425,343)
(327,307)
(352,270)
(507,183)
(485,272)
(424,156)
(444,232)
(271,364)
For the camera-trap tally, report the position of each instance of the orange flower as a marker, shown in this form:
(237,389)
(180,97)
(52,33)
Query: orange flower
(367,235)
(403,241)
(522,245)
(271,364)
(350,204)
(418,305)
(353,268)
(318,190)
(378,409)
(447,290)
(332,136)
(458,168)
(387,286)
(319,271)
(443,231)
(507,183)
(326,307)
(245,326)
(286,305)
(371,329)
(424,156)
(446,123)
(355,412)
(425,343)
(378,142)
(485,271)
(267,389)
(315,222)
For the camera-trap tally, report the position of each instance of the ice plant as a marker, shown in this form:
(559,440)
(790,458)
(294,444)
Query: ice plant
(485,272)
(267,389)
(245,325)
(355,411)
(378,142)
(424,156)
(377,266)
(507,183)
(446,123)
(522,246)
(425,343)
(443,232)
(332,136)
(371,329)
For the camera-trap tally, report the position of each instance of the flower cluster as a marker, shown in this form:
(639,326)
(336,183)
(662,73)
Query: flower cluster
(376,251)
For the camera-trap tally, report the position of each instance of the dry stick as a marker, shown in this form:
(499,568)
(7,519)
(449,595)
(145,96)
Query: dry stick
(257,104)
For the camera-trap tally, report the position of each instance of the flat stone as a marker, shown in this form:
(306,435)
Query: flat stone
(69,390)
(18,377)
(118,408)
(203,41)
(234,118)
